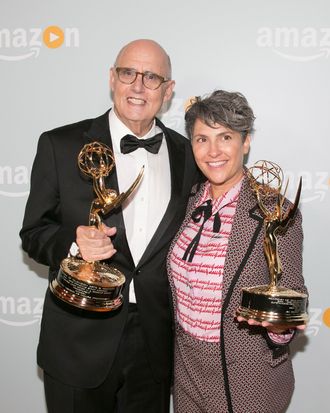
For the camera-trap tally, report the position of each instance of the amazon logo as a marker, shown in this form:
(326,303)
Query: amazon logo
(21,44)
(21,311)
(295,44)
(14,181)
(315,185)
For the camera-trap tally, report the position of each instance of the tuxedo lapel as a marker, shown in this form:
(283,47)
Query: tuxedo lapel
(165,230)
(99,131)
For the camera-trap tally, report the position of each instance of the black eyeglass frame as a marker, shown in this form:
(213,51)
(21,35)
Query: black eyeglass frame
(143,74)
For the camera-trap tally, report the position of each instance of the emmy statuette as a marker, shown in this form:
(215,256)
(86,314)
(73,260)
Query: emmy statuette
(94,286)
(273,303)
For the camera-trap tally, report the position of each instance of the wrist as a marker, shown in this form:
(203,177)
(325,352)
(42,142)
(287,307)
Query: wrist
(281,338)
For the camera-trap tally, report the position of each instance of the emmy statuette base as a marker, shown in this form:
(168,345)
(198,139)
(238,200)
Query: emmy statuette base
(276,305)
(88,286)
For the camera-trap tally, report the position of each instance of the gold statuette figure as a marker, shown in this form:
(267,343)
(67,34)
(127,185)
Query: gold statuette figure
(273,303)
(94,286)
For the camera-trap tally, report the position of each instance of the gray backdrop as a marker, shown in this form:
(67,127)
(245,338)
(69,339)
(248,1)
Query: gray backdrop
(276,52)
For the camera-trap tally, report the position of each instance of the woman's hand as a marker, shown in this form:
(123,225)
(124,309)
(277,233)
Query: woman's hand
(273,328)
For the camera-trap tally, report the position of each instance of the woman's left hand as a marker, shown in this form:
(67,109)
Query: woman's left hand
(273,328)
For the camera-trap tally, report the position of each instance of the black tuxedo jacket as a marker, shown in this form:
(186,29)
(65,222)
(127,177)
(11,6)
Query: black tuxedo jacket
(75,346)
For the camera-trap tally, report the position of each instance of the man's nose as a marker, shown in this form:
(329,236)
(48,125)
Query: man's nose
(138,82)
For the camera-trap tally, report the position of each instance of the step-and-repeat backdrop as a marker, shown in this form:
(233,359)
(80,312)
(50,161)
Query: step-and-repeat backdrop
(54,66)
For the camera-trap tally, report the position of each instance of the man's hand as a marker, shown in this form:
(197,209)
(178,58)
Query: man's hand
(95,244)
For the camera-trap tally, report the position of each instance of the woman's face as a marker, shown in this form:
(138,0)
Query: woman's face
(219,153)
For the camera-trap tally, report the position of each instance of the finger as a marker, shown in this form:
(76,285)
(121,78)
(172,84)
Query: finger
(97,254)
(253,322)
(109,231)
(104,242)
(88,232)
(273,327)
(250,321)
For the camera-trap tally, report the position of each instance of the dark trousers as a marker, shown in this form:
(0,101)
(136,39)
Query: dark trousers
(129,387)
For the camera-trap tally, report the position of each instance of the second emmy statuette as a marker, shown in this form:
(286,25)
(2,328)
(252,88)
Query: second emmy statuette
(273,303)
(94,286)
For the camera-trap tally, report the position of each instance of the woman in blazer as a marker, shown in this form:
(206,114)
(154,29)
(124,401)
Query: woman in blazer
(225,364)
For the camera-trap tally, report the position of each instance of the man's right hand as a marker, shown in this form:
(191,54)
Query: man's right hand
(95,244)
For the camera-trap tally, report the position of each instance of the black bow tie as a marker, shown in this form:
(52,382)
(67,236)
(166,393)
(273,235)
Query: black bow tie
(130,143)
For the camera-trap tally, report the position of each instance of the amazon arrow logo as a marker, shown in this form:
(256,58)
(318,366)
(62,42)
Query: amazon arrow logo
(21,44)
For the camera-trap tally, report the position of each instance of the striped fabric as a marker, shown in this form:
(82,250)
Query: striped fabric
(199,283)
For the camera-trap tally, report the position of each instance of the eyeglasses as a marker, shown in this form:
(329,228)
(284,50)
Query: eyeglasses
(149,79)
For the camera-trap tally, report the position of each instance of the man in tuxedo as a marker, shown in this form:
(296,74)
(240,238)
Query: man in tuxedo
(118,361)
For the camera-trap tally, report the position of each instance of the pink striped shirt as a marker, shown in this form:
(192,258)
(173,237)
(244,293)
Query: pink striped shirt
(199,283)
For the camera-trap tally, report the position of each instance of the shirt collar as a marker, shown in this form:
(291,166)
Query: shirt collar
(226,199)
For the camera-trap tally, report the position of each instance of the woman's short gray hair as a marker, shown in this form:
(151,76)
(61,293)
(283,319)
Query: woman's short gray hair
(230,109)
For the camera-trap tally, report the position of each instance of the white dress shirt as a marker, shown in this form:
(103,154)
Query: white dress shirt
(146,206)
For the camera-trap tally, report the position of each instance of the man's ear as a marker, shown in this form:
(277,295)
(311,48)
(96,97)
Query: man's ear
(169,90)
(111,78)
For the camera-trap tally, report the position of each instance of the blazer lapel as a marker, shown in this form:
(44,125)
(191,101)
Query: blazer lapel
(246,228)
(247,225)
